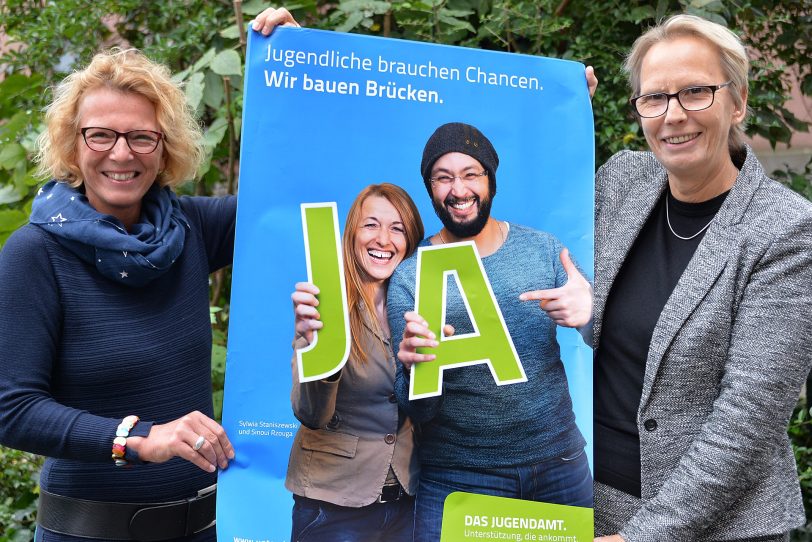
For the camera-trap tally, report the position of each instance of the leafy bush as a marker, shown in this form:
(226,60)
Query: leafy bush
(600,33)
(800,181)
(800,432)
(19,490)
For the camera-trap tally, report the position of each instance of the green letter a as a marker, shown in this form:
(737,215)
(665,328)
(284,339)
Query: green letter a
(330,348)
(490,342)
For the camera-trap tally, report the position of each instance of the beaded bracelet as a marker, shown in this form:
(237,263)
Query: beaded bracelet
(120,442)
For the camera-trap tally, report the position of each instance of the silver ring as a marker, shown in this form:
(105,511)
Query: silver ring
(199,442)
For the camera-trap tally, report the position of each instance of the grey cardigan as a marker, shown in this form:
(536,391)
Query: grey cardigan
(351,432)
(727,359)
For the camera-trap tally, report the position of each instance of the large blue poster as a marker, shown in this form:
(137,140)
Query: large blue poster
(325,115)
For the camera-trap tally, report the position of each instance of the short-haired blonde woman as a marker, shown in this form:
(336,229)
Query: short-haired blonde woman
(353,466)
(106,343)
(703,294)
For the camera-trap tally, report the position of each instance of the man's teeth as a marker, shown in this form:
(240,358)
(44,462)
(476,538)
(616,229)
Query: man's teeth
(121,176)
(381,254)
(681,139)
(463,204)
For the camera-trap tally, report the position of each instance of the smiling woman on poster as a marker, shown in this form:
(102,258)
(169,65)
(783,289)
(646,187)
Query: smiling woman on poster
(353,467)
(702,308)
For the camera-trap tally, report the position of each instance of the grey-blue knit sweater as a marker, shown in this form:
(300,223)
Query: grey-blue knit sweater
(476,423)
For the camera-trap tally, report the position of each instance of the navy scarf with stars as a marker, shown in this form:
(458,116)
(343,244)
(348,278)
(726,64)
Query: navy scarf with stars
(133,258)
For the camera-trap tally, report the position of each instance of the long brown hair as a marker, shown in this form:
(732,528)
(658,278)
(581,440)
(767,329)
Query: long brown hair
(358,292)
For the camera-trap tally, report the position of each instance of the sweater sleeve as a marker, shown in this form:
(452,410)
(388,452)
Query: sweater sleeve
(216,218)
(31,320)
(769,358)
(400,300)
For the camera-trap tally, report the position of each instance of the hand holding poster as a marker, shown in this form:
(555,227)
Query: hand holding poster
(323,248)
(326,115)
(489,342)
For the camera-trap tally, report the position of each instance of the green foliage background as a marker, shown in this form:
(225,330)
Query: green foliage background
(200,42)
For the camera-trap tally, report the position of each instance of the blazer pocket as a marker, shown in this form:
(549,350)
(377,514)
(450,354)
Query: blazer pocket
(331,442)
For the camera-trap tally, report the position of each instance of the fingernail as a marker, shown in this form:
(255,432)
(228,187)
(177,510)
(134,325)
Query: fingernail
(523,297)
(231,454)
(255,25)
(211,468)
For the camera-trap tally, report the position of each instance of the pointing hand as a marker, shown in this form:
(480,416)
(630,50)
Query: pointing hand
(569,305)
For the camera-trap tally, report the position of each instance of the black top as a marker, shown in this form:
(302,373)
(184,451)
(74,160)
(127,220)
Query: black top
(644,283)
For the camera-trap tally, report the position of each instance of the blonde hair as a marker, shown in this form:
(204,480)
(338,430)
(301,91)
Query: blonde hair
(127,71)
(359,295)
(732,56)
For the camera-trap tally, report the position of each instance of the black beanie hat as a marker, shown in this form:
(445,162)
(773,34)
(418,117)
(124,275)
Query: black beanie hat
(459,137)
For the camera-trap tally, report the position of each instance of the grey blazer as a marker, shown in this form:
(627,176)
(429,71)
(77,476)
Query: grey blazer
(352,431)
(727,359)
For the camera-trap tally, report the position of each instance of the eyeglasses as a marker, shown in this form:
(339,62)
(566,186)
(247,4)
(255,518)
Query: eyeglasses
(691,99)
(104,139)
(469,178)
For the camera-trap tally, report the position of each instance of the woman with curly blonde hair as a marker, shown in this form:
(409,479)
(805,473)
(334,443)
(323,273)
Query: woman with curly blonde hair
(126,71)
(106,343)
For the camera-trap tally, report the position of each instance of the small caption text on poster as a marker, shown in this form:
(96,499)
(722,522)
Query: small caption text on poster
(262,428)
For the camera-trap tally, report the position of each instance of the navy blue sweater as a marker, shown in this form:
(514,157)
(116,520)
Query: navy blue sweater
(79,352)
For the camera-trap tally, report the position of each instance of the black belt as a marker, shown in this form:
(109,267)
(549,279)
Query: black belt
(390,493)
(144,522)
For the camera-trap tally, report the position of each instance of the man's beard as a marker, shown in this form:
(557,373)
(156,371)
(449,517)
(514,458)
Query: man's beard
(463,230)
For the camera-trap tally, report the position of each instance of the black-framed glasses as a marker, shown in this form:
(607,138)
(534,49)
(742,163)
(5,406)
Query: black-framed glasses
(690,98)
(104,139)
(469,178)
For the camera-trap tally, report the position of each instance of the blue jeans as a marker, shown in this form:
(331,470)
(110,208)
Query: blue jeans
(319,521)
(564,480)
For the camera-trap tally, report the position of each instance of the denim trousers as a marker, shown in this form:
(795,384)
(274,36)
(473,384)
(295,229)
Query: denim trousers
(561,480)
(320,521)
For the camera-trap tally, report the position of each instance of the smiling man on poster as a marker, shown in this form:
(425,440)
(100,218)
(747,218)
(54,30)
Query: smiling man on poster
(519,440)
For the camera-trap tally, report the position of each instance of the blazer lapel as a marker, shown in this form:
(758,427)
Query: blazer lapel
(703,270)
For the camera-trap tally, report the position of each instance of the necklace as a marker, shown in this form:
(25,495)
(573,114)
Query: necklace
(501,233)
(678,236)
